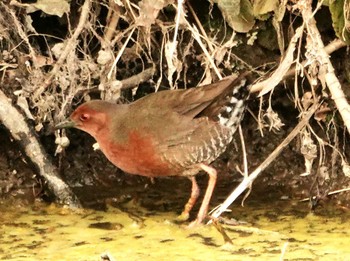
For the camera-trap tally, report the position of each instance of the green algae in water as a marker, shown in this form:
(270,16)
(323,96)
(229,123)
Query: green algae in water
(49,233)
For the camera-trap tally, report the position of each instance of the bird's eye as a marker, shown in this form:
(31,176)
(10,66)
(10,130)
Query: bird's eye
(84,117)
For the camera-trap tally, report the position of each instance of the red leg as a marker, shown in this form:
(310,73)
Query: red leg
(210,188)
(192,200)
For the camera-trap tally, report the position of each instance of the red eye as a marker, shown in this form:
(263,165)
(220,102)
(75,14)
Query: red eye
(84,117)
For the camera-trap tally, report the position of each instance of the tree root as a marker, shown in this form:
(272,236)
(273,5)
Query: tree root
(15,122)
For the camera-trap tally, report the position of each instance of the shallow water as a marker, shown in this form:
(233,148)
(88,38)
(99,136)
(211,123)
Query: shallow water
(133,233)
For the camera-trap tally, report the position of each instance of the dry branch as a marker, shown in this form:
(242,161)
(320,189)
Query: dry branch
(16,124)
(71,45)
(326,66)
(270,83)
(113,19)
(135,80)
(259,86)
(330,48)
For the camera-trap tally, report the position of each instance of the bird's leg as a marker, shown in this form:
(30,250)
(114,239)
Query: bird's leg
(210,188)
(192,200)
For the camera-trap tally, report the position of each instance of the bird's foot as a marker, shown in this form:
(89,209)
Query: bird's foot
(200,220)
(194,223)
(183,217)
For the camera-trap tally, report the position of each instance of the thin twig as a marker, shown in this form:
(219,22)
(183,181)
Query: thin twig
(245,162)
(203,32)
(196,36)
(329,194)
(283,251)
(244,152)
(21,32)
(120,53)
(177,24)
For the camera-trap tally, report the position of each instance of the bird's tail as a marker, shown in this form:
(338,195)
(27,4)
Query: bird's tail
(233,106)
(228,108)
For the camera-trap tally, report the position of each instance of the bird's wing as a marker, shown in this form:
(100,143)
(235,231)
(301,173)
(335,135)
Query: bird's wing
(202,143)
(188,102)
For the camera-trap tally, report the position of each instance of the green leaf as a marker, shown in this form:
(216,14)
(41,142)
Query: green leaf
(261,7)
(52,7)
(238,14)
(341,22)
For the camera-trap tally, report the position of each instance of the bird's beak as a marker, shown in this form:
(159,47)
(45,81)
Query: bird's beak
(65,124)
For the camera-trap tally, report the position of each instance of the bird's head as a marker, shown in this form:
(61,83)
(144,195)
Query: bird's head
(90,117)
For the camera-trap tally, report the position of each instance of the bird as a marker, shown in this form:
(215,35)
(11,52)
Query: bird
(177,132)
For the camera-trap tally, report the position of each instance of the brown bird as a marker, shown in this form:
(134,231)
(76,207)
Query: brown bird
(168,133)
